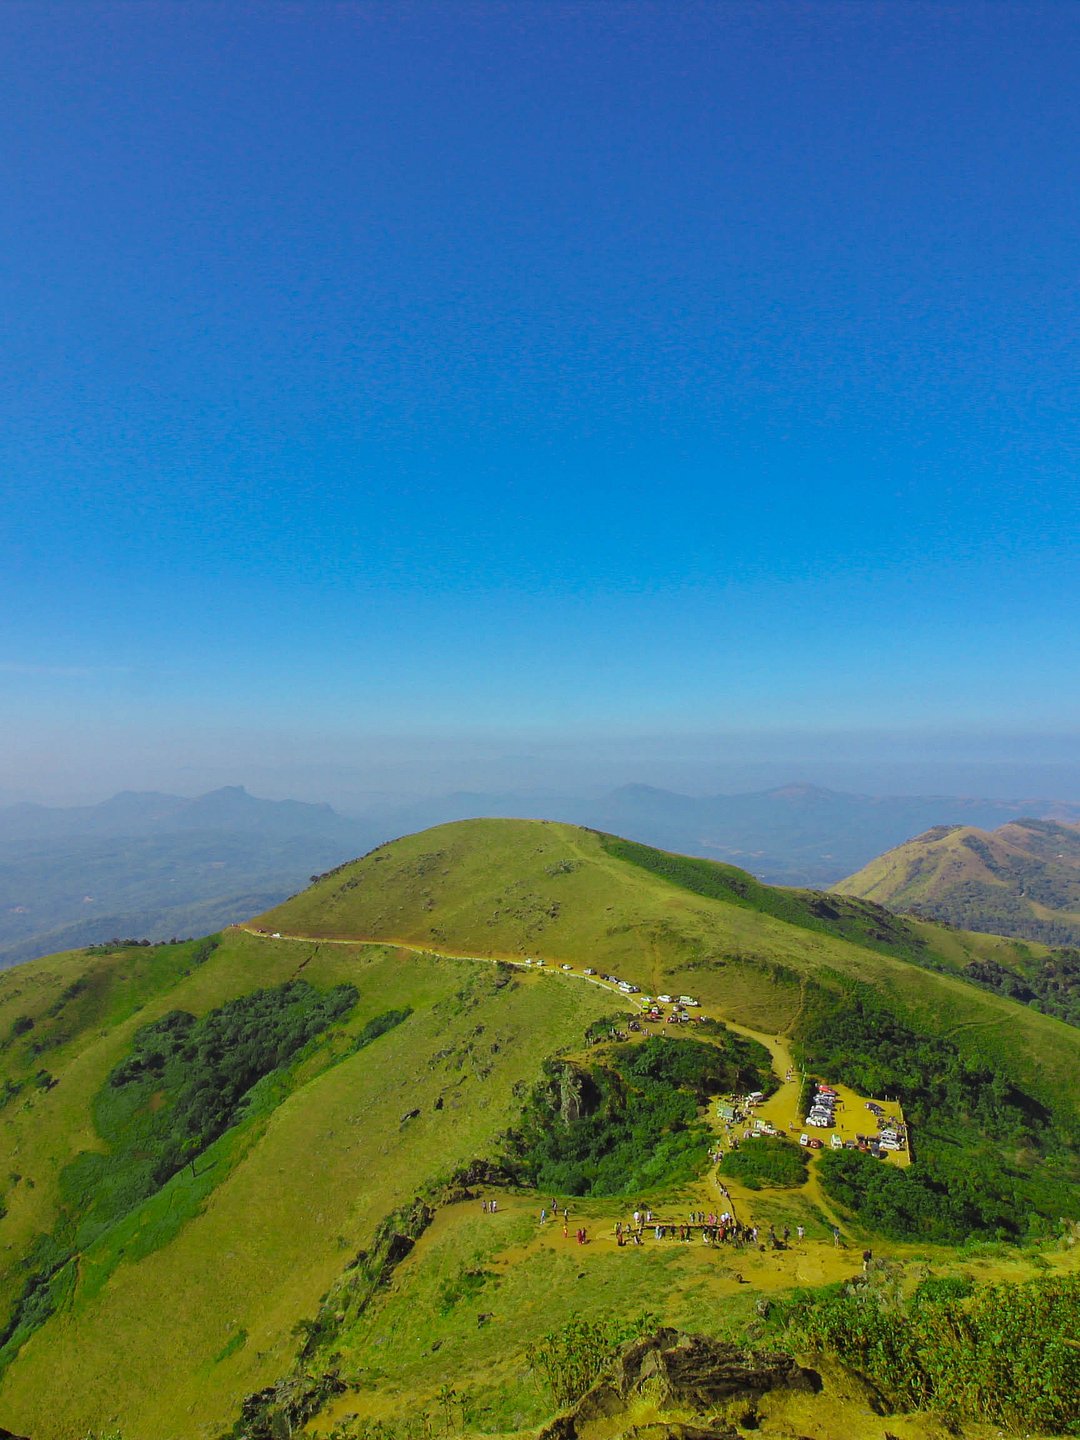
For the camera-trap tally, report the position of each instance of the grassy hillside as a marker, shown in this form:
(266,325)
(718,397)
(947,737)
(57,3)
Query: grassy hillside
(667,923)
(245,1246)
(1022,879)
(251,1166)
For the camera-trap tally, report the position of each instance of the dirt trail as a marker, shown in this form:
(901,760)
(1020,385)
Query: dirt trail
(781,1109)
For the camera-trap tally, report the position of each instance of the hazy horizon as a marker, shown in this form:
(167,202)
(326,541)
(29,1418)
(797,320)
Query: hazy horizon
(377,771)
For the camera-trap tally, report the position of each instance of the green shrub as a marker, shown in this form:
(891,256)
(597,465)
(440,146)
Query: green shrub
(764,1164)
(630,1121)
(1003,1354)
(573,1359)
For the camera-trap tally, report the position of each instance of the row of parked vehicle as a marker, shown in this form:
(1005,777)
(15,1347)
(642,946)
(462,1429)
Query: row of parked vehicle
(823,1108)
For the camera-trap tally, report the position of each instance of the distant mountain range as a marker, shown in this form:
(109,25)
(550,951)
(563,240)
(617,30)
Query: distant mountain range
(144,864)
(155,866)
(1022,879)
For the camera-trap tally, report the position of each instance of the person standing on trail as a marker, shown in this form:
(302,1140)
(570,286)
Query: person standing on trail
(836,1237)
(543,1216)
(800,1231)
(867,1256)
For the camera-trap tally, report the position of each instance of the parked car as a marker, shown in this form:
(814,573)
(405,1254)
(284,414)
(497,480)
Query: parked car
(816,1144)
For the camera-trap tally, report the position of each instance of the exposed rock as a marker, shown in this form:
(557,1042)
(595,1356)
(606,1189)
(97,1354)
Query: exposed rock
(688,1372)
(694,1370)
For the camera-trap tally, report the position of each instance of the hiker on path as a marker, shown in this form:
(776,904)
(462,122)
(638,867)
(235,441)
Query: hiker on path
(867,1256)
(836,1237)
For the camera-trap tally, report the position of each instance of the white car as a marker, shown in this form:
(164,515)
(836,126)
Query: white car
(568,967)
(588,970)
(666,999)
(687,1000)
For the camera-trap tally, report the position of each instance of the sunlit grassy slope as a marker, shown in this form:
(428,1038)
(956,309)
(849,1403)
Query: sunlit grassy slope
(1022,879)
(290,1204)
(191,1303)
(516,888)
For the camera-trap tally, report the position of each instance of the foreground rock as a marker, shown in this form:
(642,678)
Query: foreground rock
(680,1372)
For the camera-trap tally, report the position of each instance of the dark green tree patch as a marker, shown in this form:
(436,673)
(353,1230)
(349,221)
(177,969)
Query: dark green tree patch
(767,1164)
(990,1159)
(183,1085)
(630,1121)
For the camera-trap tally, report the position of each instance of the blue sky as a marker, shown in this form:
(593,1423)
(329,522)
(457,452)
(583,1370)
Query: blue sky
(575,370)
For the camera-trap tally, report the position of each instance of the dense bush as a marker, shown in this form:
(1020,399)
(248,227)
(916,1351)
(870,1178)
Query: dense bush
(989,1158)
(629,1121)
(1005,1354)
(573,1359)
(762,1164)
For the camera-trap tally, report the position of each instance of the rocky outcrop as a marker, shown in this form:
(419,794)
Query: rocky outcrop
(684,1372)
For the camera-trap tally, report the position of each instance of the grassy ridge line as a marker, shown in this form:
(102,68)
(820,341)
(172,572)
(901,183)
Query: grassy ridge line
(510,887)
(553,968)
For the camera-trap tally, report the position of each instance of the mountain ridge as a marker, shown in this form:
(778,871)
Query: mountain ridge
(1021,879)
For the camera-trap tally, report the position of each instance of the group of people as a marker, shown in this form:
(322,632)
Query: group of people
(715,1229)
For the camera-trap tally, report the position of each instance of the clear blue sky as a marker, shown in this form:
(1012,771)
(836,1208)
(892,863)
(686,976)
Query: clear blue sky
(584,368)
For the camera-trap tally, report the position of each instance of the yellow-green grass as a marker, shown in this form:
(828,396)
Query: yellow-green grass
(332,1161)
(521,888)
(423,1333)
(191,1303)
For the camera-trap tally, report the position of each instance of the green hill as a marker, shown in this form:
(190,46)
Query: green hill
(243,1175)
(1022,879)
